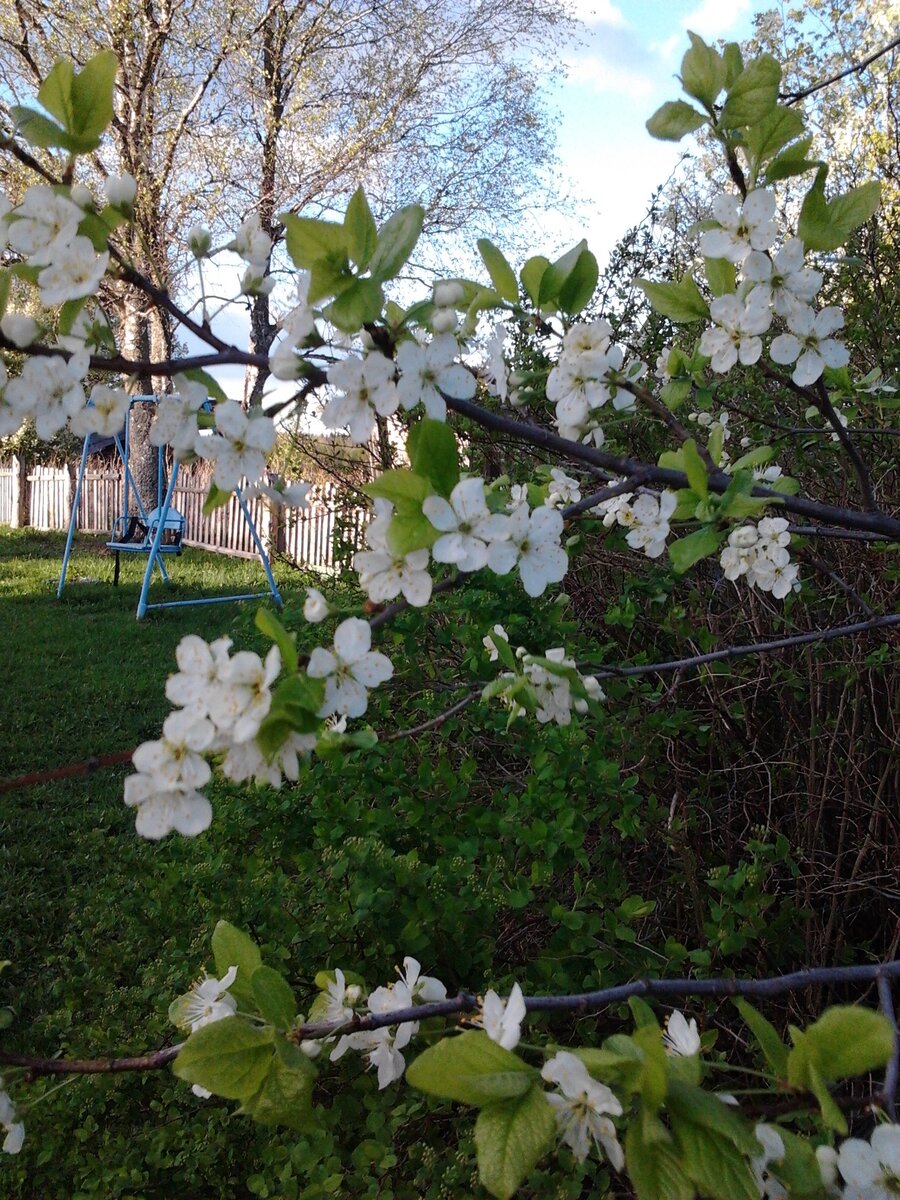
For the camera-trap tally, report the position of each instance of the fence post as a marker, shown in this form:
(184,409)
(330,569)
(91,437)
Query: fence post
(19,515)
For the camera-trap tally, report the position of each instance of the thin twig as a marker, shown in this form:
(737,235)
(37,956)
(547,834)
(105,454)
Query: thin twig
(892,1074)
(793,97)
(435,722)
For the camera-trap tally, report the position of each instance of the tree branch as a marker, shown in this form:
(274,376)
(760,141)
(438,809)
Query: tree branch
(793,97)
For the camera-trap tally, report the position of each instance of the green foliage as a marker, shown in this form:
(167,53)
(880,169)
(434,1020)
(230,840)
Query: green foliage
(674,120)
(228,1057)
(827,224)
(502,275)
(433,454)
(681,302)
(471,1069)
(82,103)
(510,1137)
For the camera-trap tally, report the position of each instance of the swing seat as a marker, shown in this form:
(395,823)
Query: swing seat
(135,535)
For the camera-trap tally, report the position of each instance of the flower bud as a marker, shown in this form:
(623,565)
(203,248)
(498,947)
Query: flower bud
(19,329)
(120,190)
(448,294)
(199,239)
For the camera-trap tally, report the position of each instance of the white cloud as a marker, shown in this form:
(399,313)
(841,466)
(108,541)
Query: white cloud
(598,12)
(710,19)
(600,75)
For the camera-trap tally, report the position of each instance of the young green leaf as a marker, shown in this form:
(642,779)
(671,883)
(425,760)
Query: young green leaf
(773,132)
(471,1069)
(579,285)
(849,1040)
(715,1165)
(229,1057)
(431,446)
(673,120)
(396,240)
(827,224)
(695,468)
(653,1165)
(92,96)
(532,274)
(510,1137)
(503,277)
(688,550)
(753,94)
(362,232)
(273,996)
(773,1048)
(55,94)
(269,625)
(232,947)
(702,71)
(216,497)
(285,1094)
(681,302)
(357,304)
(720,275)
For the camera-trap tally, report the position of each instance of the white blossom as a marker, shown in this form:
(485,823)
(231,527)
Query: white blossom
(649,524)
(681,1036)
(245,760)
(502,1019)
(208,1001)
(366,387)
(105,412)
(772,1151)
(120,190)
(533,546)
(782,280)
(810,343)
(19,329)
(49,391)
(74,271)
(734,338)
(427,371)
(350,669)
(200,672)
(582,1108)
(43,224)
(241,696)
(564,489)
(240,449)
(315,607)
(467,526)
(15,1130)
(489,642)
(743,226)
(175,423)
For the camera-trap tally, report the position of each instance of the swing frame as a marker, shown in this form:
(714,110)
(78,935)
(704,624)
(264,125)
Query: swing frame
(161,520)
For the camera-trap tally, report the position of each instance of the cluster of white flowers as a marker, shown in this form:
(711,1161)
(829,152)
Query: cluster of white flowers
(383,1047)
(579,385)
(383,575)
(239,451)
(549,682)
(869,1170)
(564,489)
(425,372)
(646,519)
(759,553)
(771,284)
(14,1130)
(254,246)
(221,702)
(473,537)
(44,230)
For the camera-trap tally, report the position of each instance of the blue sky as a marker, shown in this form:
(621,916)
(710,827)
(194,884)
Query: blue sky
(624,69)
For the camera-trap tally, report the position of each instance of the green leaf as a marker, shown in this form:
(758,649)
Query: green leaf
(531,275)
(643,1015)
(827,224)
(653,1167)
(410,532)
(702,1108)
(362,232)
(503,277)
(92,95)
(753,94)
(232,947)
(510,1138)
(849,1040)
(269,626)
(688,550)
(471,1069)
(799,1169)
(433,453)
(753,458)
(673,120)
(558,272)
(792,161)
(714,1163)
(216,497)
(655,1074)
(40,131)
(273,996)
(310,241)
(681,302)
(298,696)
(580,284)
(773,1048)
(734,63)
(285,1095)
(5,284)
(720,275)
(403,488)
(695,468)
(831,1114)
(228,1057)
(773,132)
(702,71)
(396,240)
(55,94)
(358,304)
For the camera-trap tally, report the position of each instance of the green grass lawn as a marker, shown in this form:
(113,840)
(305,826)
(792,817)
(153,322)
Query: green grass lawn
(100,927)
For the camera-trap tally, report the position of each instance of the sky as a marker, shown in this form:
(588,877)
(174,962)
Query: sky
(625,68)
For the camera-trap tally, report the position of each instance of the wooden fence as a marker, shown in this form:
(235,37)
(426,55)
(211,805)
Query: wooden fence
(41,497)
